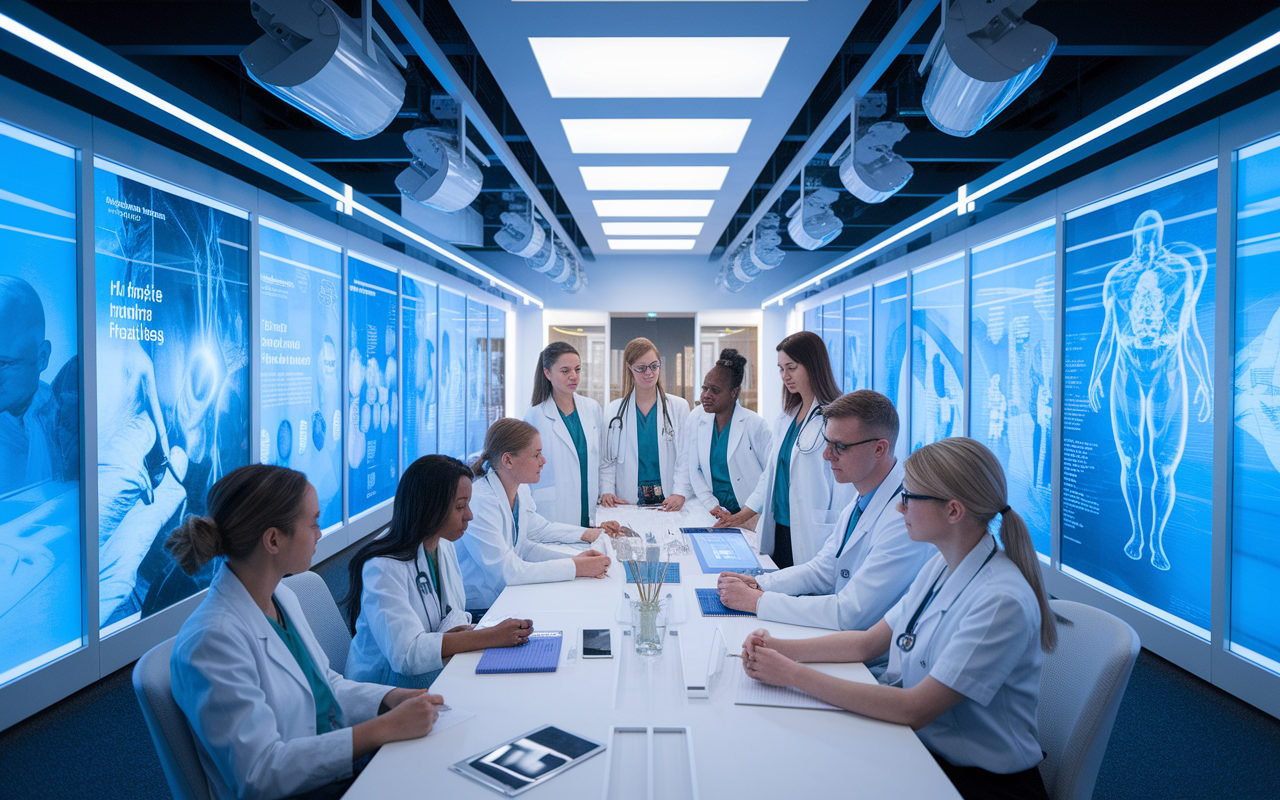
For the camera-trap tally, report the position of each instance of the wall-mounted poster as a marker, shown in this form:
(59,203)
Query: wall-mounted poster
(1011,366)
(857,340)
(937,345)
(497,364)
(1137,477)
(373,397)
(833,336)
(1255,528)
(172,297)
(453,373)
(889,360)
(301,376)
(477,372)
(418,365)
(40,563)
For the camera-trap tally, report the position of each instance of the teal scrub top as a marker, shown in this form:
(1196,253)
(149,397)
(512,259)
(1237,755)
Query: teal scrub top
(580,444)
(650,470)
(863,502)
(782,479)
(328,712)
(721,485)
(515,522)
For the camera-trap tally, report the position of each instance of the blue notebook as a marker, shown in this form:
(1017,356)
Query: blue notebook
(709,600)
(721,550)
(540,654)
(652,572)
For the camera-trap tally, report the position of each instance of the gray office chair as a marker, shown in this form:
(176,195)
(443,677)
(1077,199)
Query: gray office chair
(1080,691)
(323,616)
(168,726)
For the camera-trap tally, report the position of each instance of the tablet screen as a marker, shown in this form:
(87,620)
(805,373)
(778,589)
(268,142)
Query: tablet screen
(531,757)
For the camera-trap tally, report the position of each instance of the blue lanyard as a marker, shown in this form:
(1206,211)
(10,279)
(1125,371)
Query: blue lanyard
(907,639)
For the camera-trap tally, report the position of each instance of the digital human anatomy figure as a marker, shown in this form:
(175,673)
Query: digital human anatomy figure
(1150,330)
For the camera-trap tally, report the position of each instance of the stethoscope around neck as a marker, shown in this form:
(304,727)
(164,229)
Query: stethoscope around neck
(613,437)
(816,439)
(427,587)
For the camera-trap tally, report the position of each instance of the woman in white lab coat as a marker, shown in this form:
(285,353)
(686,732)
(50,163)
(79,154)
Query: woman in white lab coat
(797,497)
(570,425)
(406,605)
(642,439)
(269,718)
(508,541)
(965,644)
(727,446)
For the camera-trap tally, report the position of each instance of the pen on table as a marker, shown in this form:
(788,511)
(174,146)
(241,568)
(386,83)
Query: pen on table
(734,655)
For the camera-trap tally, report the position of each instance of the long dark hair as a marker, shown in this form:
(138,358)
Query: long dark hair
(424,500)
(807,349)
(547,360)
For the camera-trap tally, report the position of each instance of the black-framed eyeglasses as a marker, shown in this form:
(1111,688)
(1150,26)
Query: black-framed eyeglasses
(841,447)
(907,497)
(640,369)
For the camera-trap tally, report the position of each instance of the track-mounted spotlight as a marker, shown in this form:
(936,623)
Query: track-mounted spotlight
(813,224)
(440,175)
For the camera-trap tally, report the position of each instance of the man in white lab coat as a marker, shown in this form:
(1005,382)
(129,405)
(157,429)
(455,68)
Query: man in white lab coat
(869,561)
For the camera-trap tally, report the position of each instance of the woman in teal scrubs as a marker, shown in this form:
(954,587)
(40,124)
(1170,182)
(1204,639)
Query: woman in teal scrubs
(570,426)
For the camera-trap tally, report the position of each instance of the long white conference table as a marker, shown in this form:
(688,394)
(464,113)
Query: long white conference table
(727,750)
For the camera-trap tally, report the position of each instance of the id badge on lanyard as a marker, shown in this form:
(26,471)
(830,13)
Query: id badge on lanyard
(650,493)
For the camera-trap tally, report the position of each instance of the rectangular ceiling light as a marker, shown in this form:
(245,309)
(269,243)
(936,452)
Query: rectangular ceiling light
(652,228)
(641,136)
(651,244)
(649,179)
(659,66)
(652,208)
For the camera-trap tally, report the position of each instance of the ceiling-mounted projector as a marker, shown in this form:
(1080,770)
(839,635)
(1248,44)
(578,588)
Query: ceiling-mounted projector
(520,235)
(982,57)
(313,57)
(440,175)
(754,256)
(872,172)
(812,222)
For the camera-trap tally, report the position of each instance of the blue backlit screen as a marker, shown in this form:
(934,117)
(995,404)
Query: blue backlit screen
(373,413)
(937,351)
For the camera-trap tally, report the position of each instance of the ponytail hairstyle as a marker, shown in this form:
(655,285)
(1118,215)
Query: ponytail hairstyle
(965,470)
(424,501)
(735,365)
(242,505)
(506,435)
(547,360)
(807,349)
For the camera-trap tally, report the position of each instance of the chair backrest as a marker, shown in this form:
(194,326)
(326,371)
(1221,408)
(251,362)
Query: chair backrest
(1081,686)
(323,616)
(168,725)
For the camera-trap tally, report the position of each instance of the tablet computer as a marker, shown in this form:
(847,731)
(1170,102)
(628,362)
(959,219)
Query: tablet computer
(529,759)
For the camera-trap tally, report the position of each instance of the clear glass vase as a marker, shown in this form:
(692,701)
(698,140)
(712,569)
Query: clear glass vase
(648,626)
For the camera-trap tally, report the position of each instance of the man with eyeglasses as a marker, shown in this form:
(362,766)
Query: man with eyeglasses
(869,561)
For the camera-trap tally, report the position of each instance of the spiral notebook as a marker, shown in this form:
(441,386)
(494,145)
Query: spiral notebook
(709,600)
(652,572)
(540,654)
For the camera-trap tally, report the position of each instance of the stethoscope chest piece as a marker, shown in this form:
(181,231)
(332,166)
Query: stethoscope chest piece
(906,641)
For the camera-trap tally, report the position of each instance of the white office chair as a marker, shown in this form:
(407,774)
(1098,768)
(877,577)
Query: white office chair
(1080,691)
(168,726)
(323,616)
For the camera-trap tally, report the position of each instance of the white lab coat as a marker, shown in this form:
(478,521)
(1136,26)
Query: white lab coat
(487,556)
(816,498)
(558,491)
(400,630)
(981,637)
(620,467)
(855,591)
(747,455)
(249,705)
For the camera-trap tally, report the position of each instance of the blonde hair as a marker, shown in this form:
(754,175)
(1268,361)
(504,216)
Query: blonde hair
(635,349)
(965,470)
(506,435)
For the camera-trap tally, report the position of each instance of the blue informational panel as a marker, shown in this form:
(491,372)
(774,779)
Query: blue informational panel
(833,336)
(857,341)
(172,297)
(937,351)
(418,365)
(1011,366)
(373,397)
(477,372)
(812,321)
(40,563)
(889,355)
(453,373)
(497,364)
(1137,477)
(300,332)
(1255,530)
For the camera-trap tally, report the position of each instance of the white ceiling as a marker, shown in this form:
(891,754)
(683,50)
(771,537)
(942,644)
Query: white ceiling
(501,30)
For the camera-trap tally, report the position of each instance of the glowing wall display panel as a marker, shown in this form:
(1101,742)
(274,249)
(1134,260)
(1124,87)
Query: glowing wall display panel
(1011,357)
(453,373)
(300,342)
(373,385)
(857,341)
(497,363)
(172,297)
(937,351)
(1255,532)
(889,356)
(1137,395)
(812,321)
(833,336)
(477,372)
(419,367)
(40,563)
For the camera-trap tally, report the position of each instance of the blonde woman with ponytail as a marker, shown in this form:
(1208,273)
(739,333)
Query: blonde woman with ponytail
(965,644)
(269,717)
(508,539)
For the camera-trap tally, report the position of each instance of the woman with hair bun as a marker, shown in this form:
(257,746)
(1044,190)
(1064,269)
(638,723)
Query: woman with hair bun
(570,425)
(269,717)
(727,446)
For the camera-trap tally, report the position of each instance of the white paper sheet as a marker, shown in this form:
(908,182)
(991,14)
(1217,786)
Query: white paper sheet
(751,692)
(449,717)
